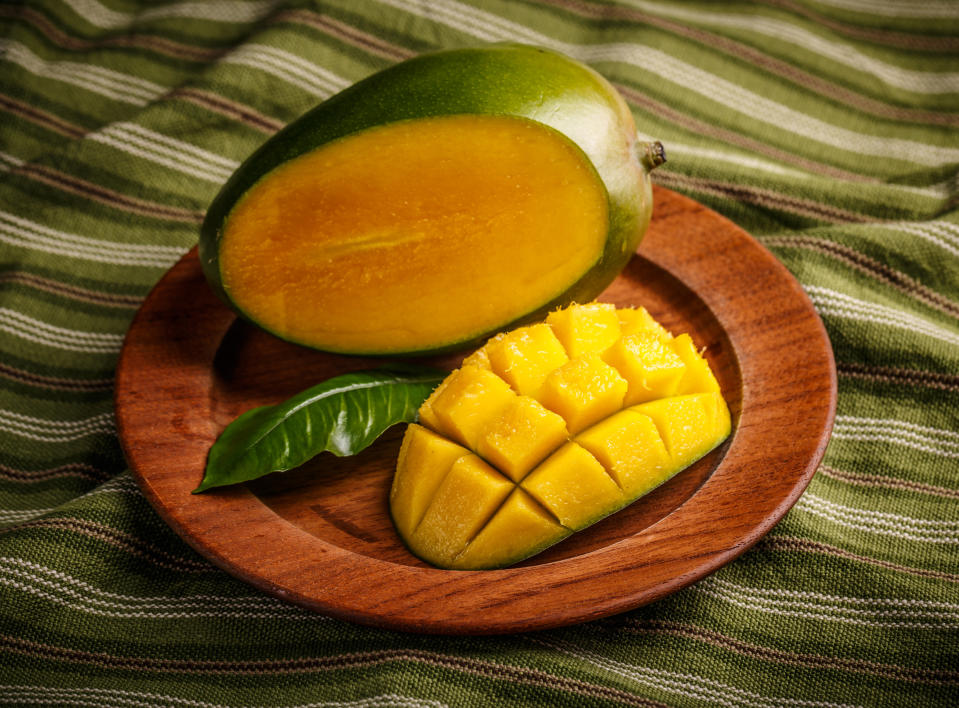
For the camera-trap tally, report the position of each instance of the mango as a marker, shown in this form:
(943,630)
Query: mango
(433,203)
(547,429)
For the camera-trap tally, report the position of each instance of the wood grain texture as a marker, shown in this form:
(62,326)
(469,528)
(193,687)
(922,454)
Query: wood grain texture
(321,536)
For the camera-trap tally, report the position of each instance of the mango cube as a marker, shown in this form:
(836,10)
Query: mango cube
(431,456)
(583,391)
(524,357)
(584,329)
(688,423)
(574,486)
(698,376)
(629,446)
(463,503)
(521,437)
(652,369)
(549,428)
(470,398)
(519,525)
(633,320)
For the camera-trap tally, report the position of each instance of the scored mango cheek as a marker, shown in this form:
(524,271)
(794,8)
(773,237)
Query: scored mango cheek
(549,428)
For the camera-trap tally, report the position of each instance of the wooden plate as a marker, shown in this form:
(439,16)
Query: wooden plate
(320,536)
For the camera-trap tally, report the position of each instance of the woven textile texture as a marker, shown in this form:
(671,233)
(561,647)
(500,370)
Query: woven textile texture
(828,129)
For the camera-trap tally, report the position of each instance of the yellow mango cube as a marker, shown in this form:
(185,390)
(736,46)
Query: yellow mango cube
(698,377)
(584,329)
(689,424)
(649,365)
(583,391)
(470,398)
(629,447)
(633,320)
(520,528)
(425,458)
(521,437)
(524,357)
(464,501)
(574,486)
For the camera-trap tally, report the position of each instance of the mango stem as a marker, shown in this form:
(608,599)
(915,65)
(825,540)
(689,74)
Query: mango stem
(654,156)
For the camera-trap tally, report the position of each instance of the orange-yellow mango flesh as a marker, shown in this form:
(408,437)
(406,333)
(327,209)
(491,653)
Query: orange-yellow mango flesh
(339,248)
(569,459)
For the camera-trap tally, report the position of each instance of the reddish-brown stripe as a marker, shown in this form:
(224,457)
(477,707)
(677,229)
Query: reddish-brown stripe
(160,45)
(934,677)
(741,51)
(900,376)
(228,108)
(871,267)
(759,196)
(70,470)
(919,42)
(103,195)
(873,480)
(74,292)
(55,383)
(266,667)
(41,118)
(347,33)
(786,543)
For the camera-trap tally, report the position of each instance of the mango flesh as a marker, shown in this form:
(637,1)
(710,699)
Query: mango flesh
(549,428)
(483,195)
(370,224)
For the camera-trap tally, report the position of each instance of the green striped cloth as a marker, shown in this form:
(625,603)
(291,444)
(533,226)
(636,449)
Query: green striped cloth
(826,128)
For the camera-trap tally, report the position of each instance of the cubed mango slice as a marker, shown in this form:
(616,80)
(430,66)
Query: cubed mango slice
(549,428)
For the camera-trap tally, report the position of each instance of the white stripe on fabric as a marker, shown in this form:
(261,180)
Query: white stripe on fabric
(9,162)
(89,696)
(105,82)
(937,233)
(163,150)
(866,612)
(73,340)
(895,8)
(80,596)
(55,431)
(23,233)
(936,441)
(832,303)
(103,17)
(927,82)
(289,67)
(893,525)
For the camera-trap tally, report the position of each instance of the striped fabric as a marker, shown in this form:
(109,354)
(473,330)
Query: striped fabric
(826,128)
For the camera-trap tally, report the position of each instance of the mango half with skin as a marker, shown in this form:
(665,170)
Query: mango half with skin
(434,203)
(548,429)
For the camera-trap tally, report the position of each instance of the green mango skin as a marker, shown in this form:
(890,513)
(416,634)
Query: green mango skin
(497,79)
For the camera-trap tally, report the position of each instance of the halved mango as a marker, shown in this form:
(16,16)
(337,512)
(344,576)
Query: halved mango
(526,470)
(434,203)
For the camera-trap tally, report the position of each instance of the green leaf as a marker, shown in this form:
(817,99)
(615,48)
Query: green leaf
(343,415)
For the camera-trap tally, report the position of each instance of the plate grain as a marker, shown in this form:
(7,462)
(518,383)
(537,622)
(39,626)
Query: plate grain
(320,535)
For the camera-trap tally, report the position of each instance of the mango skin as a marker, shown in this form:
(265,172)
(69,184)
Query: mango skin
(499,79)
